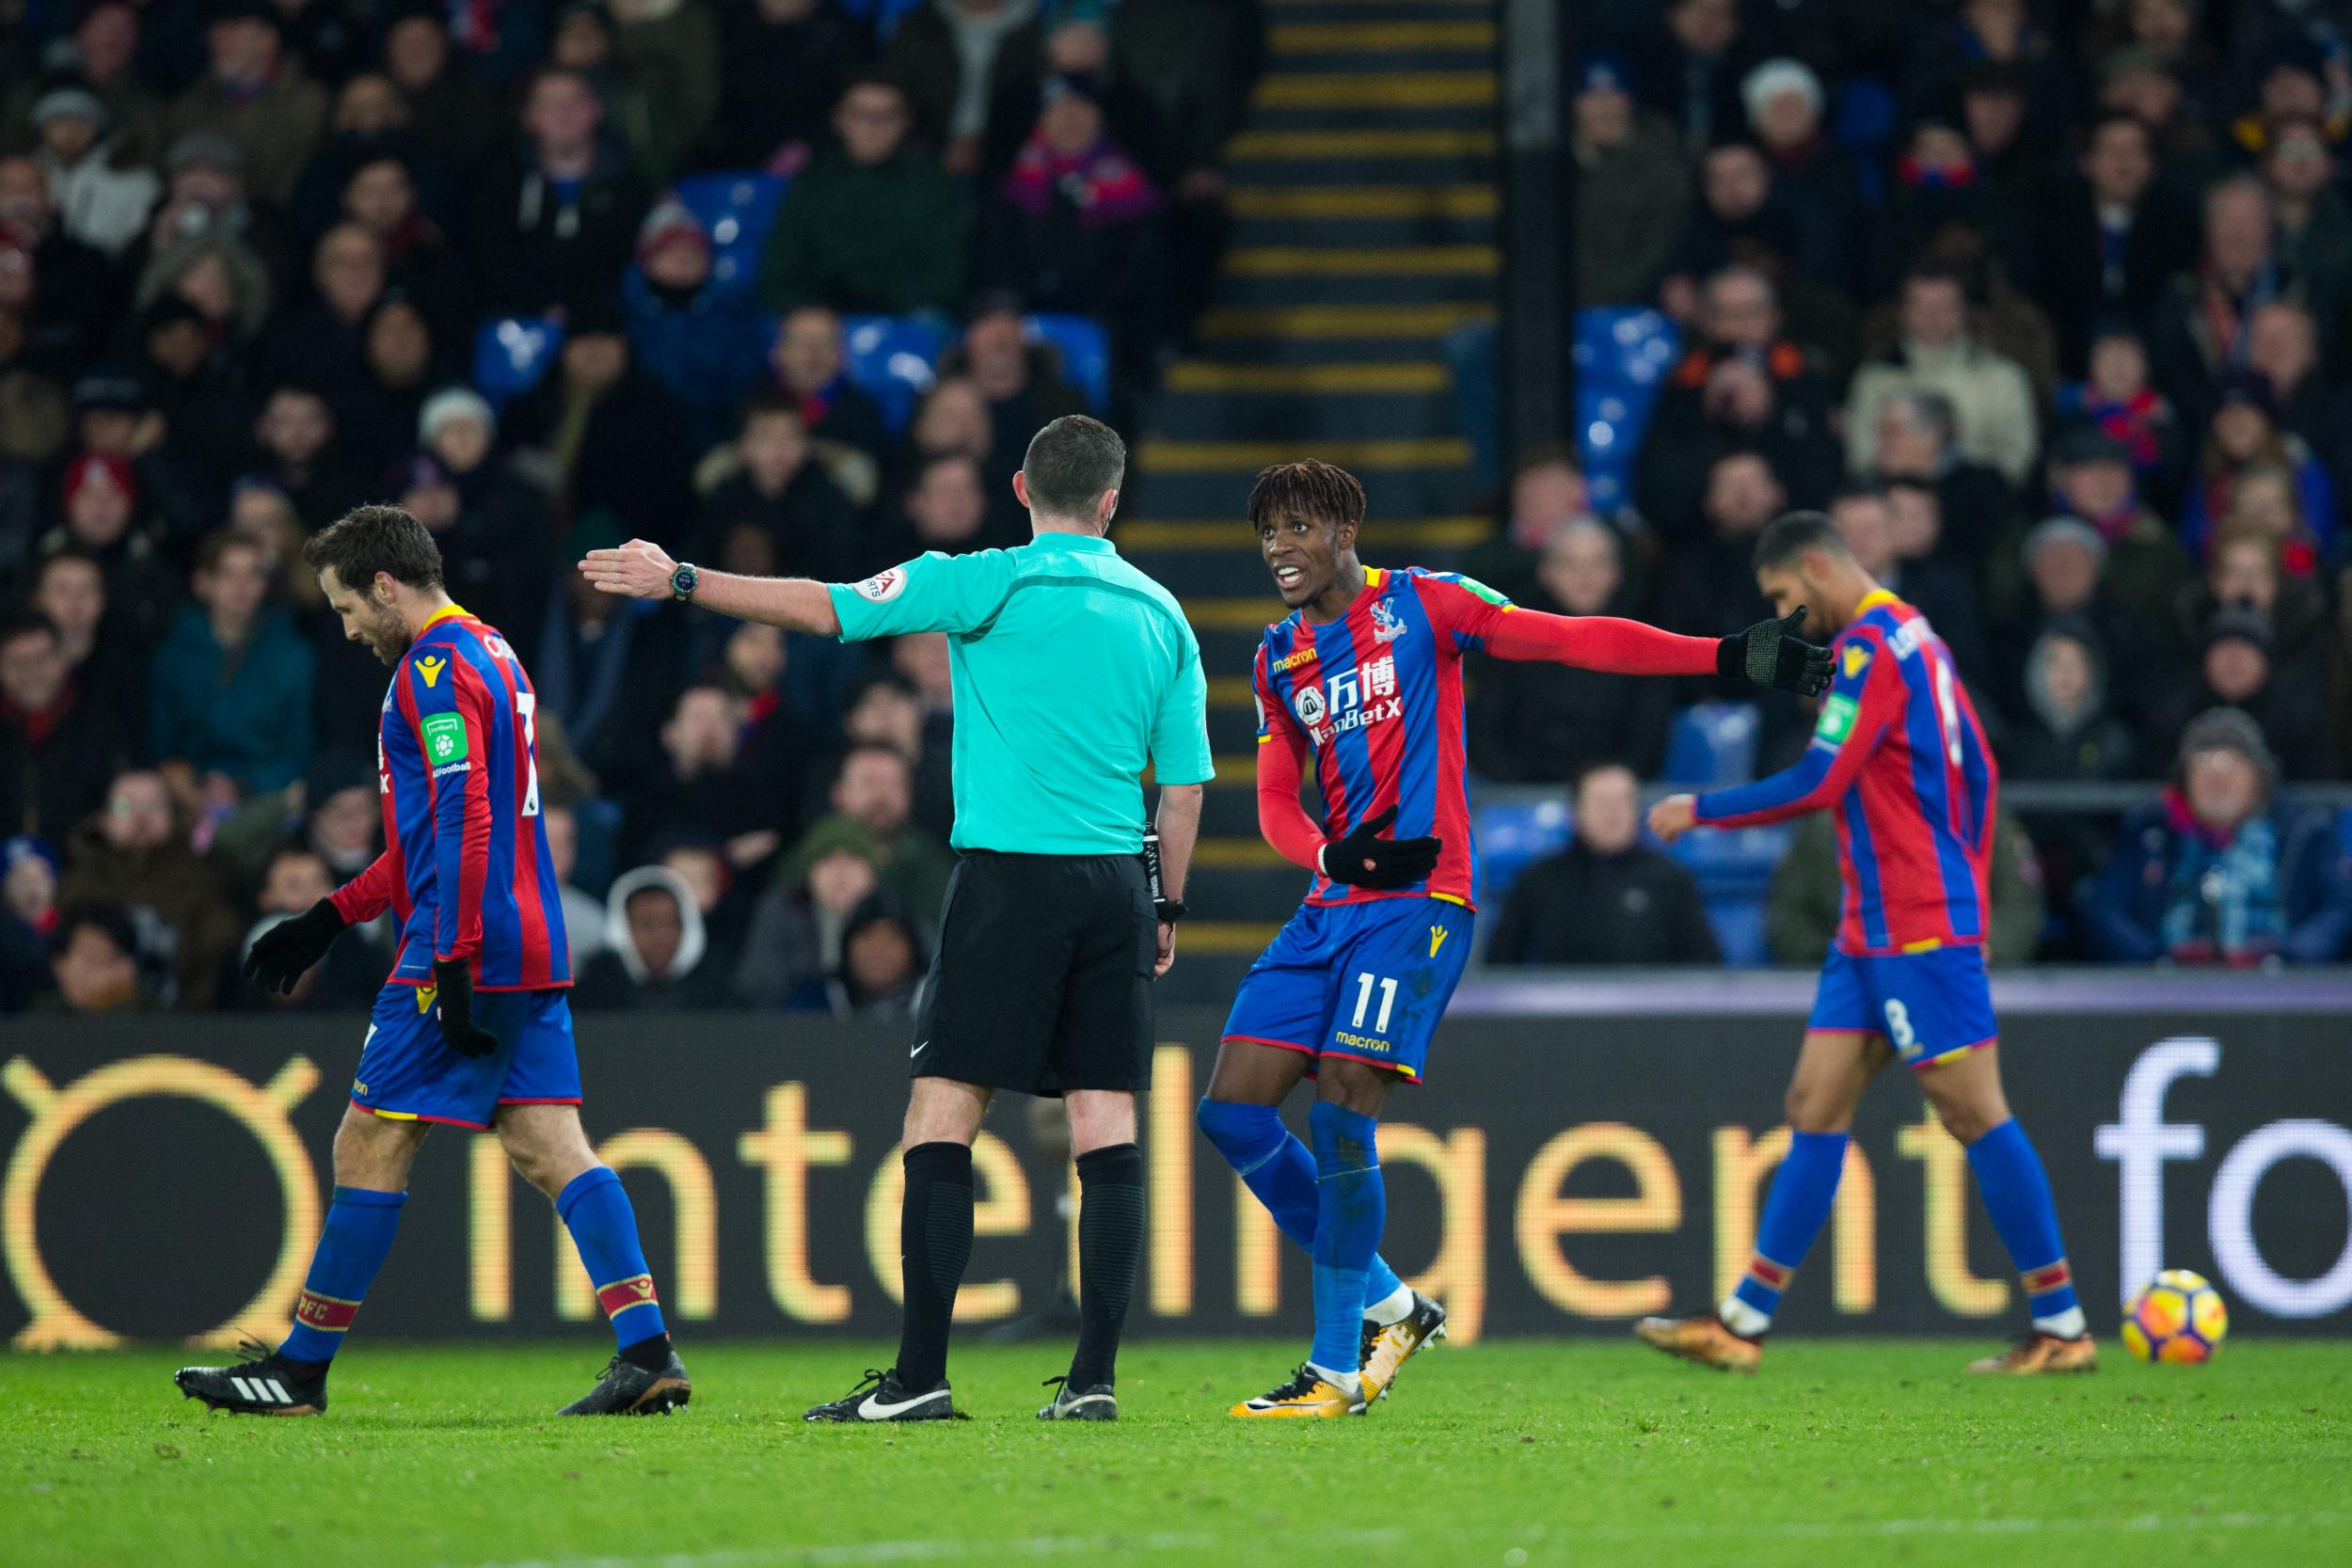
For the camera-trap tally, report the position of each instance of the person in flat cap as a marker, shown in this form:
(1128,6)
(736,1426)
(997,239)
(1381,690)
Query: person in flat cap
(2223,869)
(103,199)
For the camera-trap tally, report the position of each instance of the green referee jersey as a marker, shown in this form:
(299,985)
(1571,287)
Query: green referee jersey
(1072,669)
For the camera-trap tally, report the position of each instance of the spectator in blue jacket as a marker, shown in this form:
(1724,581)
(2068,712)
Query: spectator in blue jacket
(701,343)
(232,684)
(2222,871)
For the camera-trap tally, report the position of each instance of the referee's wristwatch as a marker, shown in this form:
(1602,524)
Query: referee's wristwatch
(1170,910)
(683,582)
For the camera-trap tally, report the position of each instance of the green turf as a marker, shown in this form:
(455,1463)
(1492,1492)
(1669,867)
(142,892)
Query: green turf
(1505,1453)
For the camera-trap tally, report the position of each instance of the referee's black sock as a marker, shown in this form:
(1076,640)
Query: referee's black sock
(1110,1241)
(934,1245)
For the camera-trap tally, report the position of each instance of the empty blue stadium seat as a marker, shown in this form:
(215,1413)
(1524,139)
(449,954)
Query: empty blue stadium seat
(1711,745)
(511,356)
(1862,122)
(736,208)
(2344,829)
(1738,925)
(883,14)
(1085,353)
(891,359)
(1513,835)
(596,862)
(1737,862)
(1622,358)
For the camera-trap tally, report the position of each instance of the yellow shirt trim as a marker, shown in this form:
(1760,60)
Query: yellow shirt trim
(1874,598)
(451,613)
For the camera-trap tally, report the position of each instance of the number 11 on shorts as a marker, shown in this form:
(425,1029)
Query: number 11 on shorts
(1364,982)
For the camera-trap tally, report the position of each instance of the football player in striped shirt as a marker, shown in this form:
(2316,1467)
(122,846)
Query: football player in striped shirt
(1898,756)
(1365,677)
(473,1028)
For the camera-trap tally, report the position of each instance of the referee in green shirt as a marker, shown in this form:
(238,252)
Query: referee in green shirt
(1073,671)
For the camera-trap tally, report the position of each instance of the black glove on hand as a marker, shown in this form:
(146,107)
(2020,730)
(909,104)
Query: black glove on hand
(280,953)
(1771,653)
(454,976)
(1365,859)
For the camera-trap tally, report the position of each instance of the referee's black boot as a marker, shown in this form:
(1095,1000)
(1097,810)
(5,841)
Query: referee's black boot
(881,1397)
(1073,1403)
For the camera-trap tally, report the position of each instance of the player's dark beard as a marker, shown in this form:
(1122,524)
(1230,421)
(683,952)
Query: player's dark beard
(384,635)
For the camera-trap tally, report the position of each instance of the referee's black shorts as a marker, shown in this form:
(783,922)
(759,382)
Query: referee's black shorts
(1043,978)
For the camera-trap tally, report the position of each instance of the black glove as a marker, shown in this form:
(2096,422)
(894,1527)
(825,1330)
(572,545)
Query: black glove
(280,955)
(454,976)
(1771,653)
(1365,859)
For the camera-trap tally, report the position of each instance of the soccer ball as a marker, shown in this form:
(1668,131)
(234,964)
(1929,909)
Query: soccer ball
(2178,1317)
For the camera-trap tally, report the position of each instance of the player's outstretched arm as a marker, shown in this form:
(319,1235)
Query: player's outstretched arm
(1770,652)
(642,570)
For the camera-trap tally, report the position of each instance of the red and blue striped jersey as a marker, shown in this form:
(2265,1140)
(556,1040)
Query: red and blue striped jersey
(465,866)
(1378,697)
(1898,755)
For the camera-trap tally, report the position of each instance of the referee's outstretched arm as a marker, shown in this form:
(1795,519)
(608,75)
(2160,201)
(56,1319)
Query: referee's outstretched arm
(644,570)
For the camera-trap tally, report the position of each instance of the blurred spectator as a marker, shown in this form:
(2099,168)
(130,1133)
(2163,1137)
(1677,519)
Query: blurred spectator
(871,224)
(101,511)
(961,61)
(103,46)
(2068,577)
(946,509)
(2067,732)
(135,854)
(1942,593)
(29,917)
(2105,249)
(883,964)
(1073,228)
(2245,436)
(255,96)
(583,915)
(205,195)
(923,659)
(1021,381)
(673,47)
(873,787)
(2199,328)
(68,314)
(199,390)
(220,275)
(584,39)
(810,362)
(1632,188)
(2237,667)
(301,455)
(230,686)
(2242,571)
(604,663)
(703,782)
(1942,211)
(2091,478)
(798,522)
(350,974)
(1802,912)
(1547,494)
(2223,870)
(797,930)
(397,369)
(1993,401)
(783,64)
(489,519)
(102,197)
(696,340)
(2314,224)
(345,814)
(654,949)
(1742,383)
(1539,722)
(2282,347)
(380,195)
(2121,402)
(721,895)
(456,113)
(323,345)
(1913,439)
(59,743)
(94,961)
(1608,898)
(1693,65)
(613,439)
(556,222)
(1712,590)
(68,589)
(1812,176)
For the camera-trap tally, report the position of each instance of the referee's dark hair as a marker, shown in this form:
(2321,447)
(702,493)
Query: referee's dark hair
(1071,463)
(1309,489)
(370,539)
(1790,534)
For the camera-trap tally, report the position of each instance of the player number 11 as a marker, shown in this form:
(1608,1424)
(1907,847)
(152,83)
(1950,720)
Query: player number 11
(1363,1002)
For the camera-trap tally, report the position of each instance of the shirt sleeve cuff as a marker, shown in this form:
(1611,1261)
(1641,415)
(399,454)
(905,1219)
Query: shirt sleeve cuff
(850,610)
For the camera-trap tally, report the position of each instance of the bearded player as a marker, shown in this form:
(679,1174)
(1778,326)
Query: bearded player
(1365,677)
(1899,755)
(473,1028)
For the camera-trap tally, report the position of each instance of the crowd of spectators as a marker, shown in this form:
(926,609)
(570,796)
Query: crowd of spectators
(245,249)
(2049,306)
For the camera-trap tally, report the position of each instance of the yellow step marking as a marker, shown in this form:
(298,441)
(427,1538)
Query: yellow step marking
(1193,457)
(1237,771)
(1421,260)
(1359,144)
(1238,854)
(1231,691)
(1235,615)
(1311,38)
(1341,321)
(1208,375)
(1232,533)
(1363,202)
(1377,90)
(1225,936)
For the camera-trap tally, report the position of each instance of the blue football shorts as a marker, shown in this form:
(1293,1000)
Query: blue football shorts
(1933,1008)
(409,1072)
(1366,981)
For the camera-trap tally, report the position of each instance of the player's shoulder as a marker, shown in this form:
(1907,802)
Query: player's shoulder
(1416,575)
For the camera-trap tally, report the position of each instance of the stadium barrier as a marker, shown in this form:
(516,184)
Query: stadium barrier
(1585,1152)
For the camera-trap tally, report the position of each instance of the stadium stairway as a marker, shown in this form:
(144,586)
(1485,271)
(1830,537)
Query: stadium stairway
(1364,203)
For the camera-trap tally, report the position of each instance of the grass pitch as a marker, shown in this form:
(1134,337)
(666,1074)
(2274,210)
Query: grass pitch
(1502,1454)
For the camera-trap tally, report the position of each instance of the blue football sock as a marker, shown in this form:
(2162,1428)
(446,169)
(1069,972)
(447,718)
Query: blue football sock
(358,1232)
(2017,1195)
(1351,1208)
(1276,1167)
(1802,1190)
(595,1208)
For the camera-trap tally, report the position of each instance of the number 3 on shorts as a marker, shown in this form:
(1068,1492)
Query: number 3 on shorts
(1898,1025)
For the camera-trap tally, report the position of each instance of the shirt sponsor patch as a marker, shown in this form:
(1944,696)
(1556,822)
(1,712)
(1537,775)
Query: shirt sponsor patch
(883,586)
(1307,654)
(445,738)
(431,668)
(1837,722)
(1857,659)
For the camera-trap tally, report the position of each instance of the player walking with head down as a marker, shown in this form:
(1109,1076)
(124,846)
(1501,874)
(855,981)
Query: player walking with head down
(1365,674)
(1898,755)
(472,1029)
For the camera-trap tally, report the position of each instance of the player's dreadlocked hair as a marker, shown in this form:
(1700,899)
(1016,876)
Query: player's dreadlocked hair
(1307,489)
(370,539)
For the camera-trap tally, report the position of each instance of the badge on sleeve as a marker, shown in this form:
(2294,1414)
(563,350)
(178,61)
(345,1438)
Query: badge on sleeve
(883,586)
(1857,659)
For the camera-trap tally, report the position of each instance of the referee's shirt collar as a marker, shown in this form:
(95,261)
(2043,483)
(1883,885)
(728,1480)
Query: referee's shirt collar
(1090,543)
